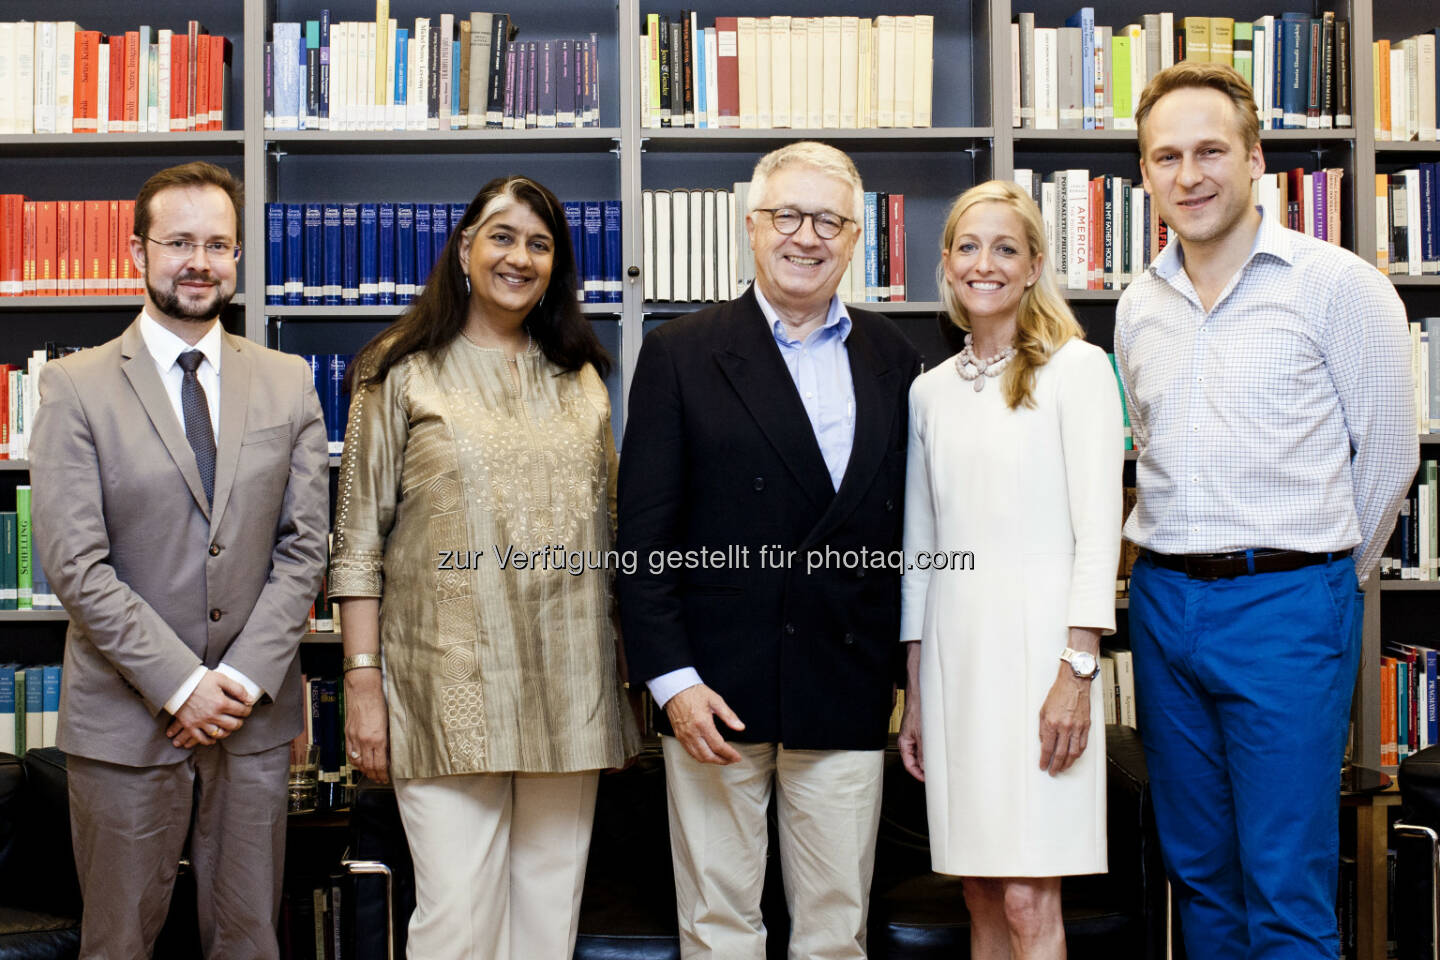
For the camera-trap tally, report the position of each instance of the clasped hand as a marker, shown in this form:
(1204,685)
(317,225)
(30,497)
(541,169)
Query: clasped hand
(216,708)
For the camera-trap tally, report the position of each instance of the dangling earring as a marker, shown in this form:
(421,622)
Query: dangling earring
(467,283)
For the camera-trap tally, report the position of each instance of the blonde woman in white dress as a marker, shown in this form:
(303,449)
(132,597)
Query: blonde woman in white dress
(1015,456)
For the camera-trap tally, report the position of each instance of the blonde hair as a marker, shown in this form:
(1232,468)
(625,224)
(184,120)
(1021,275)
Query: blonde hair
(817,156)
(1045,322)
(1214,76)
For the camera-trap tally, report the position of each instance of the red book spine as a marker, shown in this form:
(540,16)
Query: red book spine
(897,247)
(27,249)
(727,30)
(87,57)
(132,81)
(46,269)
(97,234)
(219,54)
(130,282)
(179,85)
(192,40)
(1296,214)
(77,248)
(12,257)
(5,369)
(62,247)
(113,243)
(1094,277)
(116,123)
(200,106)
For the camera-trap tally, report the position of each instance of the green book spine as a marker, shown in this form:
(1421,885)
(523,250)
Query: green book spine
(1244,54)
(23,586)
(1120,77)
(1124,410)
(19,712)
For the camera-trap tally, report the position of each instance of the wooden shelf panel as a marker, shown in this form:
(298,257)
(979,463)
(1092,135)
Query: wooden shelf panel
(926,138)
(479,142)
(1401,586)
(128,303)
(36,616)
(208,143)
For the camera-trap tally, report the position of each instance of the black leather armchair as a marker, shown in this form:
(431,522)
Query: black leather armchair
(39,898)
(628,912)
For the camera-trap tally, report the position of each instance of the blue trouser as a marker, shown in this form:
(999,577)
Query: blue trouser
(1243,696)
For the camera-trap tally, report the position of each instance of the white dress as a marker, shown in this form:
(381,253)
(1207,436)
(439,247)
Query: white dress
(1035,495)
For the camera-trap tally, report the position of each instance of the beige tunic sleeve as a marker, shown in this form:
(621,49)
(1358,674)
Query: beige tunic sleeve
(369,485)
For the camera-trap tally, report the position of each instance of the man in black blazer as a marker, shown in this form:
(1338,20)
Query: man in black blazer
(761,489)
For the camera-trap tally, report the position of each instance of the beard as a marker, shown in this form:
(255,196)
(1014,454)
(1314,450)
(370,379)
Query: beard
(201,310)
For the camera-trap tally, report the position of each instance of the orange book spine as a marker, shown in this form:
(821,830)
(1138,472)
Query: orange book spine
(87,87)
(12,240)
(128,274)
(132,81)
(62,247)
(112,277)
(27,249)
(77,248)
(1389,719)
(116,122)
(97,232)
(200,107)
(1095,272)
(46,269)
(1382,60)
(192,95)
(219,56)
(179,87)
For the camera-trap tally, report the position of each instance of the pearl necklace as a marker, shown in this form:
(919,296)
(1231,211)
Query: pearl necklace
(973,368)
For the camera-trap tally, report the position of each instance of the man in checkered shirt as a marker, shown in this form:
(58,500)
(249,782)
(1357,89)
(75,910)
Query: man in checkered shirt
(1268,380)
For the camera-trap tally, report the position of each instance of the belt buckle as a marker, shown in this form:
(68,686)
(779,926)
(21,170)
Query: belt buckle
(1194,572)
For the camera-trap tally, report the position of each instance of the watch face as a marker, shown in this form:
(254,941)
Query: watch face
(1082,663)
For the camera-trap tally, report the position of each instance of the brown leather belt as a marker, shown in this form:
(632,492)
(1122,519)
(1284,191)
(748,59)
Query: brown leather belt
(1219,566)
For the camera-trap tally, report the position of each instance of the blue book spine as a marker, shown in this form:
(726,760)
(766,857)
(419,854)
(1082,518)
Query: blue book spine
(330,292)
(50,701)
(1428,254)
(424,248)
(592,83)
(872,250)
(34,706)
(386,246)
(7,707)
(457,215)
(303,71)
(1294,92)
(702,103)
(350,256)
(402,37)
(9,561)
(404,252)
(1084,19)
(1432,713)
(320,376)
(286,36)
(337,405)
(325,69)
(592,238)
(574,217)
(439,232)
(369,253)
(455,78)
(274,253)
(613,285)
(294,253)
(314,253)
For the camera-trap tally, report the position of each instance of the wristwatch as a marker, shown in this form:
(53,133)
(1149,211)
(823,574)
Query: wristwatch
(1082,663)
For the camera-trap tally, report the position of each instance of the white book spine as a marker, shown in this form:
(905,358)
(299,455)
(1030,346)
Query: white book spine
(849,73)
(163,100)
(904,71)
(8,81)
(1414,228)
(764,88)
(25,78)
(1047,104)
(745,44)
(885,71)
(142,97)
(724,238)
(102,89)
(1077,225)
(447,33)
(65,76)
(664,247)
(781,65)
(712,79)
(680,244)
(647,253)
(924,68)
(45,76)
(698,262)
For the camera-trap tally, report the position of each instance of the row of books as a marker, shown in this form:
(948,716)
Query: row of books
(56,77)
(1117,686)
(1408,714)
(23,584)
(1406,87)
(444,73)
(29,707)
(1413,551)
(836,72)
(329,370)
(1090,77)
(1425,370)
(381,253)
(1407,220)
(19,396)
(315,922)
(696,248)
(62,248)
(1102,231)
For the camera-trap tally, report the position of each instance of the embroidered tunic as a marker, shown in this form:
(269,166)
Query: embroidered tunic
(480,512)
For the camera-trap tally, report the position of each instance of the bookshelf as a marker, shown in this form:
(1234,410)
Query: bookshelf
(971,140)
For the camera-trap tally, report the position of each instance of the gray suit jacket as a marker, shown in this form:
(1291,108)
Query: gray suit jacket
(154,579)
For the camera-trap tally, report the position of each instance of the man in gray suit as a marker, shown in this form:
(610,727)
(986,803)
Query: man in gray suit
(180,509)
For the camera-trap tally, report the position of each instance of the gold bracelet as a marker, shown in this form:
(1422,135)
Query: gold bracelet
(357,660)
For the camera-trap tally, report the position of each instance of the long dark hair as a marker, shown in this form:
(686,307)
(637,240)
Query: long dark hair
(438,315)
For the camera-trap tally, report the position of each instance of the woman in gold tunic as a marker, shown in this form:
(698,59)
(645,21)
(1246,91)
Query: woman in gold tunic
(475,510)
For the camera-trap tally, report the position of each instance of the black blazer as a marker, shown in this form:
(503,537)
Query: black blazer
(719,455)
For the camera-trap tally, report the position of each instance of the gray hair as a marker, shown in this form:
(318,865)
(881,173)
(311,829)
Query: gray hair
(817,156)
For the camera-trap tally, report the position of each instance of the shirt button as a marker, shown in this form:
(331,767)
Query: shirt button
(758,483)
(215,615)
(790,629)
(890,506)
(809,396)
(214,550)
(848,639)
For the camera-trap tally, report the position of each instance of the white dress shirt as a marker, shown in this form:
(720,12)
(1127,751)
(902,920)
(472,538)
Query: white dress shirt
(165,347)
(1281,418)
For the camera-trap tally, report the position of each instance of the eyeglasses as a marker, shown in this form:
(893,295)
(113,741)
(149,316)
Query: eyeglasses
(185,249)
(788,220)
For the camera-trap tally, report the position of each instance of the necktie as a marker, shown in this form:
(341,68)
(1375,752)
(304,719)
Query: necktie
(197,420)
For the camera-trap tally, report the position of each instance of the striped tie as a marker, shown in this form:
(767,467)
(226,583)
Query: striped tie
(197,421)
